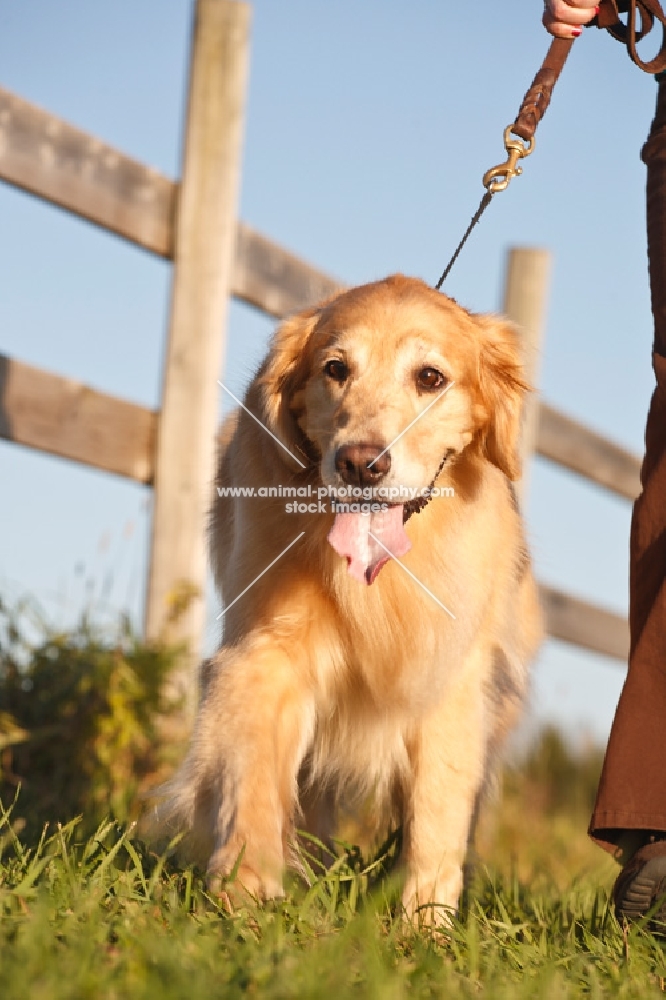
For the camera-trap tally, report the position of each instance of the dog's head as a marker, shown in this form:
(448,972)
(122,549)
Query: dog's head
(381,387)
(382,381)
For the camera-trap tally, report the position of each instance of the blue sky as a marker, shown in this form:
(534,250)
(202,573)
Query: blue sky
(369,126)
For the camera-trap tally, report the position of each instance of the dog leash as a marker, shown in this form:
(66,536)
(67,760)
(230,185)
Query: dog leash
(519,137)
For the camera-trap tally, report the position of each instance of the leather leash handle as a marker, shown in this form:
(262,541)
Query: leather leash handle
(519,137)
(537,98)
(644,11)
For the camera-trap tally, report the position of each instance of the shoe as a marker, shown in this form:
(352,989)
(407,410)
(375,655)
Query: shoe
(641,885)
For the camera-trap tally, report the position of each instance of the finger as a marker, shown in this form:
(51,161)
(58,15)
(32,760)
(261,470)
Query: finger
(559,30)
(572,14)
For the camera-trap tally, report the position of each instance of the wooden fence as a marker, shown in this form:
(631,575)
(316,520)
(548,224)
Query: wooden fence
(193,223)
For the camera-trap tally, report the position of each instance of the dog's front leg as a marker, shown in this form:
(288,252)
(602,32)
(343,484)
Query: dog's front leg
(447,764)
(257,719)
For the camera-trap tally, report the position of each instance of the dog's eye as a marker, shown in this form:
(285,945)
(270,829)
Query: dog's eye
(336,369)
(430,379)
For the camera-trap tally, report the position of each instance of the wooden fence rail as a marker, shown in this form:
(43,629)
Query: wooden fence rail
(51,159)
(68,419)
(55,161)
(581,450)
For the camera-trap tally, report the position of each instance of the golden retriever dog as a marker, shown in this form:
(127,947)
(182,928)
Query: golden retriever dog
(380,622)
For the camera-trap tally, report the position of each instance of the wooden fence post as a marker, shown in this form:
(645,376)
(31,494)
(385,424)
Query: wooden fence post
(525,300)
(205,234)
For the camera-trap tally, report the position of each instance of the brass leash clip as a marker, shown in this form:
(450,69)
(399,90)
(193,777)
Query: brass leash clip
(497,178)
(519,137)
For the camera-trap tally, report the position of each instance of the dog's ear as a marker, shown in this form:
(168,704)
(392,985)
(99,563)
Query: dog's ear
(281,379)
(502,390)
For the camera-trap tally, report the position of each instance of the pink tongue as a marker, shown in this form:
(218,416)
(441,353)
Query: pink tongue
(351,536)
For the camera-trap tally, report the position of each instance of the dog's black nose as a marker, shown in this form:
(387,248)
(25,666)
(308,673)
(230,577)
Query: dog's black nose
(362,464)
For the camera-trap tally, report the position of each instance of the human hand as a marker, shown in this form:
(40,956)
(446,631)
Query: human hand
(566,19)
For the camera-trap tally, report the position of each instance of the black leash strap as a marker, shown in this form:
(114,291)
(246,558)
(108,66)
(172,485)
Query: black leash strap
(485,201)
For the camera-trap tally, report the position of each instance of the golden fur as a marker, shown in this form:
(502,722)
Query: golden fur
(325,686)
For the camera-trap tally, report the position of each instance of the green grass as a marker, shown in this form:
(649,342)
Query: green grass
(86,910)
(103,917)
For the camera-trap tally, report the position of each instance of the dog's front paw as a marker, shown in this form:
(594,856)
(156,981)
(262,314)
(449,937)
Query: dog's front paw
(238,883)
(432,901)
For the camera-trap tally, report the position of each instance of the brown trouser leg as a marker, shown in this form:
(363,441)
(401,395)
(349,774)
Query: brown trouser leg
(632,789)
